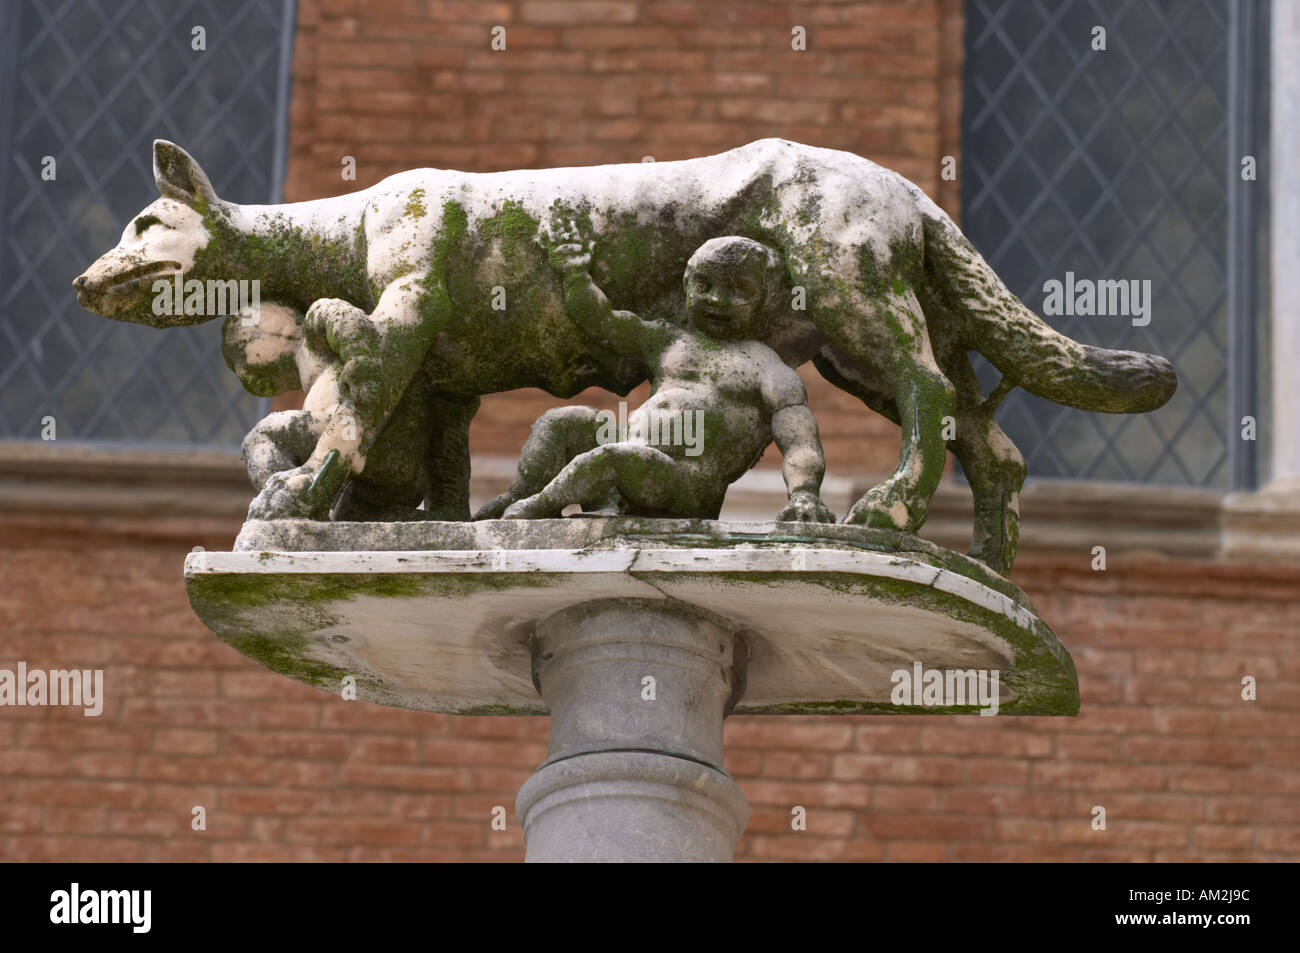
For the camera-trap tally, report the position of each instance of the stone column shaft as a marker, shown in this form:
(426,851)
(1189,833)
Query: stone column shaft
(637,690)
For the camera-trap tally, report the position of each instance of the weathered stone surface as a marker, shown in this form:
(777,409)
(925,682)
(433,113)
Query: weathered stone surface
(590,663)
(720,397)
(395,308)
(599,532)
(828,612)
(637,690)
(410,299)
(631,806)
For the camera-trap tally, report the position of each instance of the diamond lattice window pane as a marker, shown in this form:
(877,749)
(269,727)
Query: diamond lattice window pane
(93,83)
(1110,165)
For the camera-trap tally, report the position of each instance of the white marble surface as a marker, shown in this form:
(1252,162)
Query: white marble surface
(449,630)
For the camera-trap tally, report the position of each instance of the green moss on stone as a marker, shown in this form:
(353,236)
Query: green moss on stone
(501,710)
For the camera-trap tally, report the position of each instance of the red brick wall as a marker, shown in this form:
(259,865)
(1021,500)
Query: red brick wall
(1185,769)
(400,84)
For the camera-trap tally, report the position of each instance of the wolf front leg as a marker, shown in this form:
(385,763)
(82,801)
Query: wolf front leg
(446,466)
(891,336)
(378,355)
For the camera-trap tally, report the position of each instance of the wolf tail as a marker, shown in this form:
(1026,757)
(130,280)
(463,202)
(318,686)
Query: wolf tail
(1023,346)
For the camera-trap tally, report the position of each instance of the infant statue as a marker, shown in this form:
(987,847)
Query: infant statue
(719,397)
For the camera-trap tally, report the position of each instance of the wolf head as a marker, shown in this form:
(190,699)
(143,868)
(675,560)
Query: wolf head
(158,243)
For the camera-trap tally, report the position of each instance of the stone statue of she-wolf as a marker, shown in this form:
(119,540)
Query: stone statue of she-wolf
(432,289)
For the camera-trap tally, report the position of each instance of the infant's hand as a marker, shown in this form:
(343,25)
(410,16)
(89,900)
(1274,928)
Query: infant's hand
(566,249)
(572,256)
(805,507)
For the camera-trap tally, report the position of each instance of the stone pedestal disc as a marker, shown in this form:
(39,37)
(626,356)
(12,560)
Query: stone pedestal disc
(439,616)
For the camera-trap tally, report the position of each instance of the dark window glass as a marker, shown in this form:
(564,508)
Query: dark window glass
(92,83)
(1112,165)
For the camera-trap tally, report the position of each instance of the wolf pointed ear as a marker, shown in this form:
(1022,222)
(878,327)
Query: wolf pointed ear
(179,177)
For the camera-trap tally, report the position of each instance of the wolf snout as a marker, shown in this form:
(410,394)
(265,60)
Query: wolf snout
(88,289)
(89,283)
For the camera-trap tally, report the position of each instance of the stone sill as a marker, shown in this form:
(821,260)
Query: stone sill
(62,484)
(111,482)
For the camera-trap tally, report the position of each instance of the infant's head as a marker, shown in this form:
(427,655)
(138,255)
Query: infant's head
(731,283)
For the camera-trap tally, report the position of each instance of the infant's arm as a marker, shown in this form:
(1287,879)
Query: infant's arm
(795,432)
(587,306)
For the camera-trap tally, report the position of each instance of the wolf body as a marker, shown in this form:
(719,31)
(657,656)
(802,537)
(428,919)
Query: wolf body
(430,289)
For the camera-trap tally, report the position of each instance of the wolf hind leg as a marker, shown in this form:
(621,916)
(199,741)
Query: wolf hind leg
(994,469)
(887,333)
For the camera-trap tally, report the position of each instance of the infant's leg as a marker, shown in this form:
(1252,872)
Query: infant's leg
(280,441)
(557,437)
(648,479)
